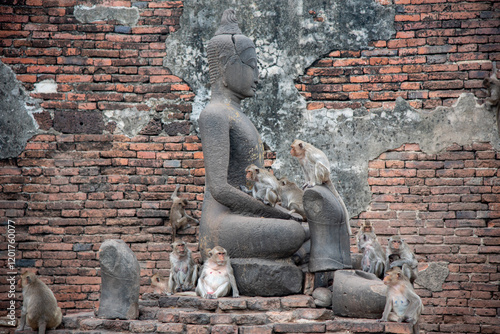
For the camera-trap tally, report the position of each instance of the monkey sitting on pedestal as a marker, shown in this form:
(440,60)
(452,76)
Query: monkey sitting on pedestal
(217,278)
(40,308)
(316,167)
(402,303)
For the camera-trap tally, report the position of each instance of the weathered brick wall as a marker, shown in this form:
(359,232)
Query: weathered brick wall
(81,183)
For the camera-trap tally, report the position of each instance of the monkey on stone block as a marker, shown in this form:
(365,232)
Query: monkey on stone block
(40,308)
(402,303)
(216,278)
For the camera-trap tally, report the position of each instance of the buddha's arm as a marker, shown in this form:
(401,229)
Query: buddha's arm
(214,131)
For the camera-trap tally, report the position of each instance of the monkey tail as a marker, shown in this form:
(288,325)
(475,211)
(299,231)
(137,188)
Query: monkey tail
(330,186)
(174,194)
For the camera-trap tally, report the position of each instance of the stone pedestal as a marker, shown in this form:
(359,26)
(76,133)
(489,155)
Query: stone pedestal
(357,294)
(120,281)
(267,278)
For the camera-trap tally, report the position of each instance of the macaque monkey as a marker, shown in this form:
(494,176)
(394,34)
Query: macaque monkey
(183,270)
(316,169)
(159,284)
(178,216)
(40,308)
(265,185)
(402,303)
(216,278)
(492,84)
(407,261)
(373,260)
(292,197)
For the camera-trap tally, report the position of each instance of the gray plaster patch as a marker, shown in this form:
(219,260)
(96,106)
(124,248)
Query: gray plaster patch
(17,124)
(433,277)
(128,121)
(288,41)
(124,15)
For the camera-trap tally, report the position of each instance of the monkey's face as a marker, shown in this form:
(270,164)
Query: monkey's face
(395,244)
(220,258)
(181,249)
(297,149)
(251,172)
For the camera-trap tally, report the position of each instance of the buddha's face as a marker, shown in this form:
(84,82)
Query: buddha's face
(241,74)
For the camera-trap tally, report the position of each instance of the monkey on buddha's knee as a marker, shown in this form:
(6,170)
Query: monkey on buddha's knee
(316,167)
(40,308)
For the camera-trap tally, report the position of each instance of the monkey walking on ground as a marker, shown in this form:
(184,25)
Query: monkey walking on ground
(492,84)
(397,247)
(179,219)
(291,196)
(265,185)
(217,278)
(40,308)
(183,270)
(373,260)
(402,303)
(316,169)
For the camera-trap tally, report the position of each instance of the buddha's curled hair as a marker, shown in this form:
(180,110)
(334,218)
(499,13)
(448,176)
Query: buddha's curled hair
(221,47)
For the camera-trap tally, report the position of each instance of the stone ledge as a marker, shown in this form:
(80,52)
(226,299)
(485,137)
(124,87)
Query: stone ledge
(244,315)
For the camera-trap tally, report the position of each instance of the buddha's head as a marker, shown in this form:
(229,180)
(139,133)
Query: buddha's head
(232,59)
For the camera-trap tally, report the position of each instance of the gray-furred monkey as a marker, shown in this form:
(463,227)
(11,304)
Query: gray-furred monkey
(316,169)
(183,270)
(265,185)
(40,308)
(373,260)
(492,84)
(292,196)
(216,278)
(407,261)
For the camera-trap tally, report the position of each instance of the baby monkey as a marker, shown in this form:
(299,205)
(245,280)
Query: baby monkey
(402,303)
(492,85)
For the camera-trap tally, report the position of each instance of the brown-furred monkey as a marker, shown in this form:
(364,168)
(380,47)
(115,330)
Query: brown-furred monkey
(402,304)
(183,270)
(179,219)
(265,185)
(216,278)
(492,85)
(40,308)
(159,284)
(373,260)
(407,261)
(316,169)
